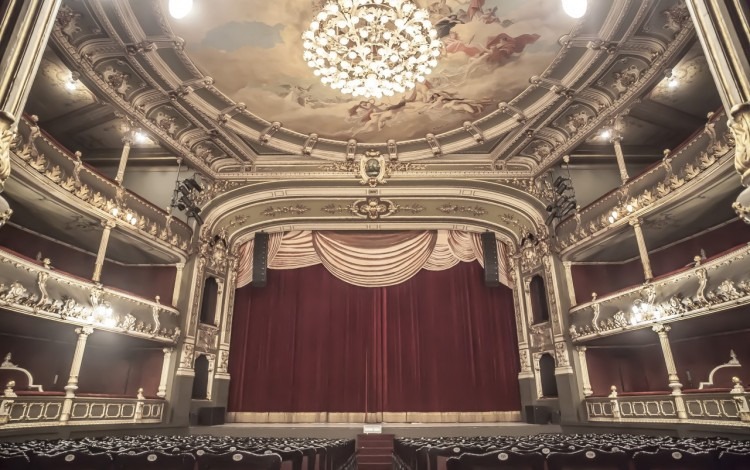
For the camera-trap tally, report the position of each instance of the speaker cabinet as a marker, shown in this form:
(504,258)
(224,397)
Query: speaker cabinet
(491,266)
(211,415)
(538,414)
(260,260)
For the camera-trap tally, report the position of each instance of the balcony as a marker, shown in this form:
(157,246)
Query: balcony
(703,161)
(713,285)
(39,161)
(718,409)
(36,289)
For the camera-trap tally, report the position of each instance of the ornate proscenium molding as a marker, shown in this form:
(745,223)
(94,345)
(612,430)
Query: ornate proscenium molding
(297,209)
(373,208)
(372,168)
(449,208)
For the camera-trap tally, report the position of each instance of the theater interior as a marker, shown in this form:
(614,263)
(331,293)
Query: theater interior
(375,234)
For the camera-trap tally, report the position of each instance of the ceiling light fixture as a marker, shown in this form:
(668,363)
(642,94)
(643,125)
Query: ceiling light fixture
(575,8)
(140,137)
(605,134)
(180,8)
(371,48)
(672,82)
(71,85)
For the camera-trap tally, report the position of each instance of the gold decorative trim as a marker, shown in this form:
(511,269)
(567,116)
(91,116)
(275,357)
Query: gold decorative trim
(373,208)
(384,417)
(272,211)
(449,208)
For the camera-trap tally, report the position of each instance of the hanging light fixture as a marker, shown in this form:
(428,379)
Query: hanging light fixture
(180,8)
(371,48)
(575,8)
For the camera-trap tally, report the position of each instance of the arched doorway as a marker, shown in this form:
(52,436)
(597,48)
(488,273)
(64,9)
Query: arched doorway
(547,376)
(200,383)
(538,292)
(208,302)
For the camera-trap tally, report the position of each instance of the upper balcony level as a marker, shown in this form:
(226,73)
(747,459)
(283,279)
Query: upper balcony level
(77,192)
(699,169)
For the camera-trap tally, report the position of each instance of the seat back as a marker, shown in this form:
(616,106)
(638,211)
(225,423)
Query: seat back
(239,460)
(76,460)
(671,459)
(500,459)
(154,460)
(588,459)
(729,460)
(14,462)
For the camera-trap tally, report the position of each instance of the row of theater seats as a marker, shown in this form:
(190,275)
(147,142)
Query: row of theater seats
(571,452)
(179,453)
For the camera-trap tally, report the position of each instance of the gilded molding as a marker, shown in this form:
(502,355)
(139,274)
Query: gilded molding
(449,208)
(373,208)
(297,209)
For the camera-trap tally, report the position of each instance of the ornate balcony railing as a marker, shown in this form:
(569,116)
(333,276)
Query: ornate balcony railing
(723,409)
(38,152)
(37,289)
(681,169)
(39,411)
(719,283)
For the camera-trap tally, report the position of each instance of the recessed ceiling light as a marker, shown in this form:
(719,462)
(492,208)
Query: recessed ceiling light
(71,85)
(140,137)
(605,134)
(180,8)
(672,82)
(575,8)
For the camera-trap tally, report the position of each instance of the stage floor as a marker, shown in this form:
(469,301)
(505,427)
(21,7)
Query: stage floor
(350,430)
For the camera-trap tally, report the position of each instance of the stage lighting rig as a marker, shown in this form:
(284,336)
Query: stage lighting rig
(184,195)
(564,201)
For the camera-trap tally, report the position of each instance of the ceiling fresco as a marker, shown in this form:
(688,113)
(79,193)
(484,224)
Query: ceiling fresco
(490,49)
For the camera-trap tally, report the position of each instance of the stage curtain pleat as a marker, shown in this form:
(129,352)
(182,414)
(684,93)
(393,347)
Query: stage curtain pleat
(310,345)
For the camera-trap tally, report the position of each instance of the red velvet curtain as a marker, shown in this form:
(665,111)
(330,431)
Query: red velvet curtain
(309,342)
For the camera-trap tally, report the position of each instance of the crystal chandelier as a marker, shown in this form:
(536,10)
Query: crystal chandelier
(371,48)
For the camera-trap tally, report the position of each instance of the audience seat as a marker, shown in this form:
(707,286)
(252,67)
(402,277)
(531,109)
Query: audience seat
(239,461)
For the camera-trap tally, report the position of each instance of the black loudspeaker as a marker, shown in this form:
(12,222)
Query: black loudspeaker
(211,415)
(538,414)
(491,267)
(260,260)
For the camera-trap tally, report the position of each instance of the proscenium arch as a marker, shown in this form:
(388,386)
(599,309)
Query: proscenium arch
(238,212)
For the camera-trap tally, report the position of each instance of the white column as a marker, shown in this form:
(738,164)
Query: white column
(177,283)
(587,392)
(108,226)
(616,141)
(722,28)
(25,26)
(569,281)
(162,393)
(127,141)
(75,370)
(642,249)
(674,379)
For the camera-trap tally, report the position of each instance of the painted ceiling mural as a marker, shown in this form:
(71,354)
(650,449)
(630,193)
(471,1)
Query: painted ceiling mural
(253,50)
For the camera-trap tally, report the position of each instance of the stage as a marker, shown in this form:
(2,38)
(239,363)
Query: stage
(350,430)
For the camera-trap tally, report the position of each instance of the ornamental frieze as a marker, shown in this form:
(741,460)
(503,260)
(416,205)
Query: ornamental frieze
(373,208)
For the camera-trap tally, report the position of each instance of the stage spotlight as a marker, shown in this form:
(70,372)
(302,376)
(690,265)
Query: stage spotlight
(192,184)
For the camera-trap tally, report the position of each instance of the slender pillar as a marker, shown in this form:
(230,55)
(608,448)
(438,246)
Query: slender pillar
(75,370)
(569,281)
(723,28)
(674,379)
(642,249)
(177,283)
(127,141)
(666,349)
(162,393)
(25,26)
(587,392)
(616,141)
(108,226)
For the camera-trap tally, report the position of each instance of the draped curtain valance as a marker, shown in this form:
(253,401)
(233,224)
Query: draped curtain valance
(371,259)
